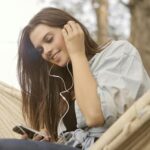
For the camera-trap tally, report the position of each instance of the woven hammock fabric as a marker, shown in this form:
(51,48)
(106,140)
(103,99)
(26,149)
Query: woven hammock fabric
(131,131)
(10,110)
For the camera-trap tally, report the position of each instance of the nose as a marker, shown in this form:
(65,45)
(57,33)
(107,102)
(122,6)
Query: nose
(47,50)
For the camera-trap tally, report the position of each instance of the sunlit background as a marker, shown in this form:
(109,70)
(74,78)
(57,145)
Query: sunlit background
(15,14)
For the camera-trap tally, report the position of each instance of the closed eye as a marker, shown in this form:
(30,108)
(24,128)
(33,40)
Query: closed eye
(49,39)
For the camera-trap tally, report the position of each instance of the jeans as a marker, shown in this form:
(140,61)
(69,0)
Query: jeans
(18,144)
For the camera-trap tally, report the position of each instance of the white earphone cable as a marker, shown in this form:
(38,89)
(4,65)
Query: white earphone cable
(61,93)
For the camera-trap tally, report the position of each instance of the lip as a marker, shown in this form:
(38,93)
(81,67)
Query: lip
(53,56)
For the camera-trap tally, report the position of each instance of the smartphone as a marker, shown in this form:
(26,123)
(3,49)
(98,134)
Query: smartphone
(21,129)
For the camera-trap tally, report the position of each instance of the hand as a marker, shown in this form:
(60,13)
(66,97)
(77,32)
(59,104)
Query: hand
(38,137)
(25,136)
(74,39)
(46,136)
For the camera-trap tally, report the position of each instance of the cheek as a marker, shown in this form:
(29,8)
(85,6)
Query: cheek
(61,41)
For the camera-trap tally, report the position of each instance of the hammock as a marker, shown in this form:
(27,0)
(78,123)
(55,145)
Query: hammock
(10,110)
(131,131)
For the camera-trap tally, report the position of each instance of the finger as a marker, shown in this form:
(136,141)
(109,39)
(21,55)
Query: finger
(73,26)
(37,137)
(46,135)
(68,28)
(46,138)
(24,136)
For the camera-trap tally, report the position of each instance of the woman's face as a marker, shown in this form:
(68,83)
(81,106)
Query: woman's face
(50,43)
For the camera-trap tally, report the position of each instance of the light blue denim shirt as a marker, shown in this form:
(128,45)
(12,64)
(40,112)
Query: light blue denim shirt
(121,79)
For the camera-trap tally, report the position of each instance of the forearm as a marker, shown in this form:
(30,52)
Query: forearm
(86,91)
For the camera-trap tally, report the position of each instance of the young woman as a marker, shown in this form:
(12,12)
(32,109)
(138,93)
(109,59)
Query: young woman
(72,87)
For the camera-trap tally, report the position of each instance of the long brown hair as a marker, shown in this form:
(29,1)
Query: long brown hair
(42,105)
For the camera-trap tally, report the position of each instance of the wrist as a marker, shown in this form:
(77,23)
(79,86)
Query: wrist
(78,59)
(77,56)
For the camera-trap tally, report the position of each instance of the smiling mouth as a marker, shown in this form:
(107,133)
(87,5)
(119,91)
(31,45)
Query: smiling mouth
(54,55)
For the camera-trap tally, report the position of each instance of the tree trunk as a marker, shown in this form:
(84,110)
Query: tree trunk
(102,20)
(140,29)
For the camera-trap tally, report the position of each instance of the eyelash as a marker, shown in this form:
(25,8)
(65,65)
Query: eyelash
(49,40)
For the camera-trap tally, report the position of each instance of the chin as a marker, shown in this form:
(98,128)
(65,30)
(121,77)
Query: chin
(60,64)
(63,64)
